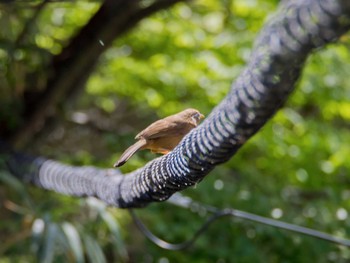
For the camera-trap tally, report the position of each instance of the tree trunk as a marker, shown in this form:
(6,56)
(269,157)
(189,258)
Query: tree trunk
(71,68)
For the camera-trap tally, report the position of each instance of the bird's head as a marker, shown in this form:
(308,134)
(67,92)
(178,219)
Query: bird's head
(193,114)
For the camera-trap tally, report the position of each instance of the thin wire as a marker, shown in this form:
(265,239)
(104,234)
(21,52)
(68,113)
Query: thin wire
(179,246)
(186,202)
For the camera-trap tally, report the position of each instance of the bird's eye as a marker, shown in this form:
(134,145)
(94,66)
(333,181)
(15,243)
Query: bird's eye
(196,117)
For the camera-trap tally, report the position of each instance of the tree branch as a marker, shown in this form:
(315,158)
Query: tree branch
(283,45)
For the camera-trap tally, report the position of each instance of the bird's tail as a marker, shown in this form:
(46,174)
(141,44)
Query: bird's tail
(130,152)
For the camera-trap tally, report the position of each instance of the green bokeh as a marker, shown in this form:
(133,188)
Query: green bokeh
(188,56)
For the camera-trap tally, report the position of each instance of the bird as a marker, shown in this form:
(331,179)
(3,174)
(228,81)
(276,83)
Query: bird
(163,135)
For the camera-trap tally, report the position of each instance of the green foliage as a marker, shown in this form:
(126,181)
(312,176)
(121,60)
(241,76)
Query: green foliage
(295,169)
(27,45)
(47,236)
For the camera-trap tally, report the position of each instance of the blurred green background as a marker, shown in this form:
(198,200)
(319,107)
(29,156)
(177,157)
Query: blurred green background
(295,169)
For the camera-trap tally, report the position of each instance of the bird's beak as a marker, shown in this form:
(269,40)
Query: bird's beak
(201,116)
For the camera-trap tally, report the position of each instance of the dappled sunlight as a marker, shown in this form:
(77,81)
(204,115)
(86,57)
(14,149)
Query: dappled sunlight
(295,169)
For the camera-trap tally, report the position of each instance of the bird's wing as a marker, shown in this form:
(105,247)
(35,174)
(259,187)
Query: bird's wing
(161,128)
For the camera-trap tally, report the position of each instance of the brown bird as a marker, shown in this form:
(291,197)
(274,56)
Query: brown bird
(163,135)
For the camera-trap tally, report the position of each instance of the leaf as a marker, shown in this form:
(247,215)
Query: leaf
(13,182)
(48,249)
(114,228)
(93,250)
(38,229)
(74,241)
